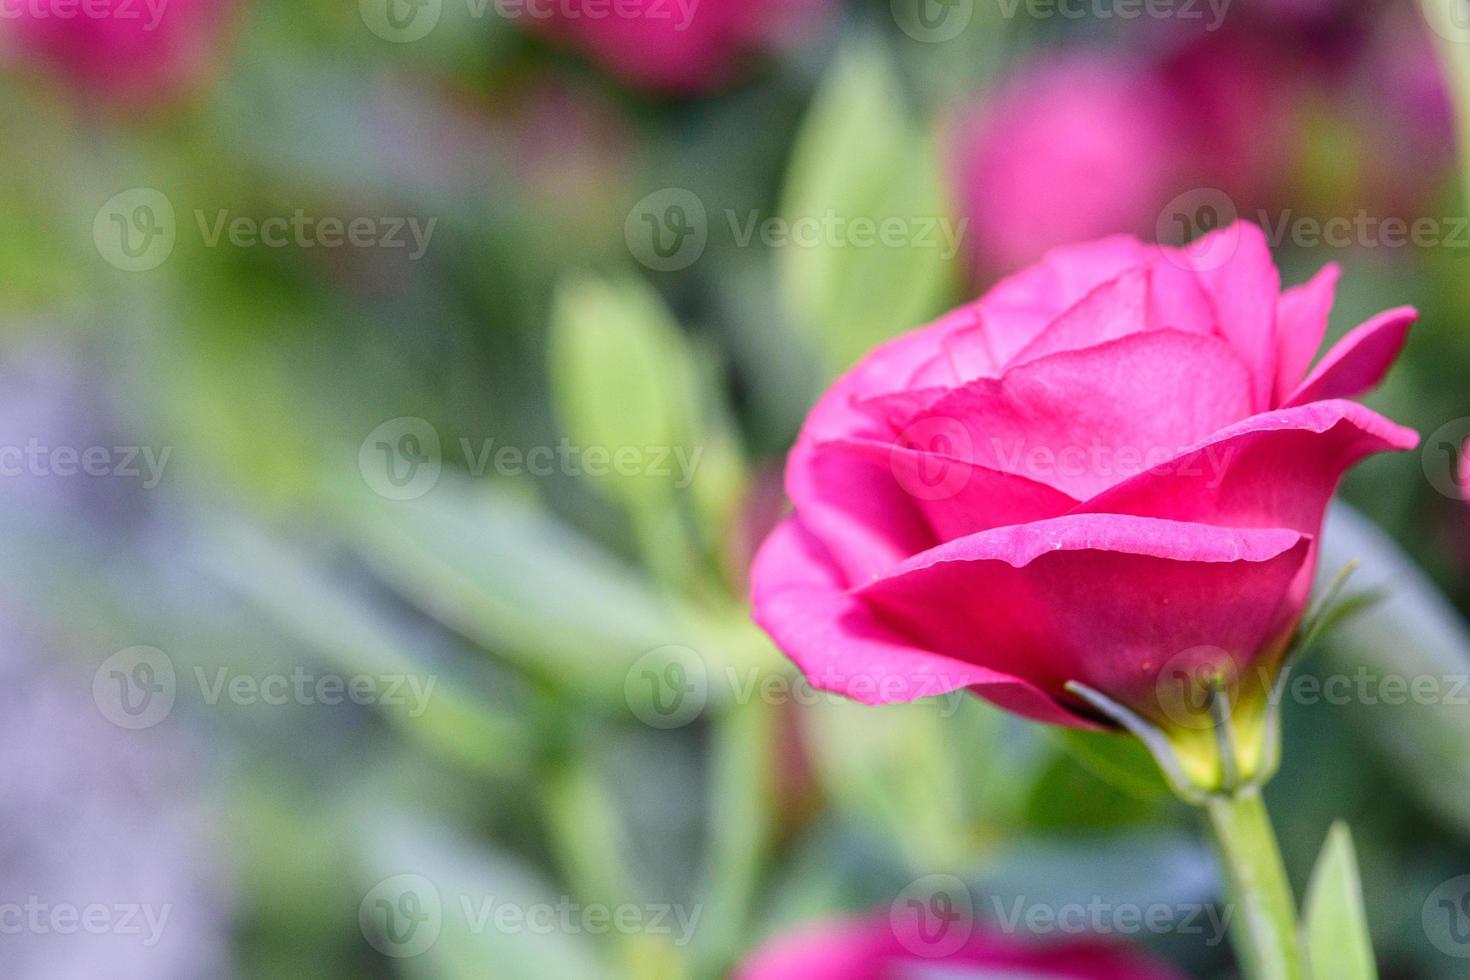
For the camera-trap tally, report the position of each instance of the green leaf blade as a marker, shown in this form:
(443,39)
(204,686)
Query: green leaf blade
(1335,921)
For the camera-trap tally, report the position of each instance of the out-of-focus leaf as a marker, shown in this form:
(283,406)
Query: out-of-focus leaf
(354,637)
(590,841)
(1129,869)
(1053,808)
(862,161)
(622,377)
(1118,759)
(494,566)
(1412,633)
(740,822)
(1450,34)
(454,890)
(1336,924)
(898,767)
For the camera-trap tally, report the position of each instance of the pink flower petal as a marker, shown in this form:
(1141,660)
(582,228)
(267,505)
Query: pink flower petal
(1359,361)
(800,600)
(1117,308)
(1081,421)
(1301,323)
(1243,288)
(1104,599)
(956,496)
(1277,470)
(1020,307)
(874,525)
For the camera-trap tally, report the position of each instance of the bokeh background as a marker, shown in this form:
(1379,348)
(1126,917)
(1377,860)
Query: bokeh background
(394,393)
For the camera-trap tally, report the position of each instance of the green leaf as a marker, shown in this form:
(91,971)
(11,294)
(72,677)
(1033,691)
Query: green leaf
(622,379)
(745,746)
(459,887)
(1118,759)
(354,636)
(492,565)
(861,160)
(1336,924)
(1412,634)
(903,770)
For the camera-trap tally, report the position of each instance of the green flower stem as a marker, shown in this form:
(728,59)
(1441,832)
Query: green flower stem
(1265,920)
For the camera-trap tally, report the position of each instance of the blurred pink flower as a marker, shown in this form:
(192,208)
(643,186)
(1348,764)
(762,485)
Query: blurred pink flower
(672,46)
(1406,117)
(1464,470)
(1236,96)
(122,53)
(1070,147)
(872,950)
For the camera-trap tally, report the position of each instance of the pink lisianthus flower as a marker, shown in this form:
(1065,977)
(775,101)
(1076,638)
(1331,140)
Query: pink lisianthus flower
(872,950)
(1068,148)
(678,47)
(120,53)
(1111,469)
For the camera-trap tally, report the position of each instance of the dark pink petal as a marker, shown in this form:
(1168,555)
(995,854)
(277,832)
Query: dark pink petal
(859,508)
(1104,599)
(1277,470)
(957,497)
(1301,323)
(964,354)
(1081,421)
(1359,361)
(871,524)
(1235,267)
(800,600)
(1115,309)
